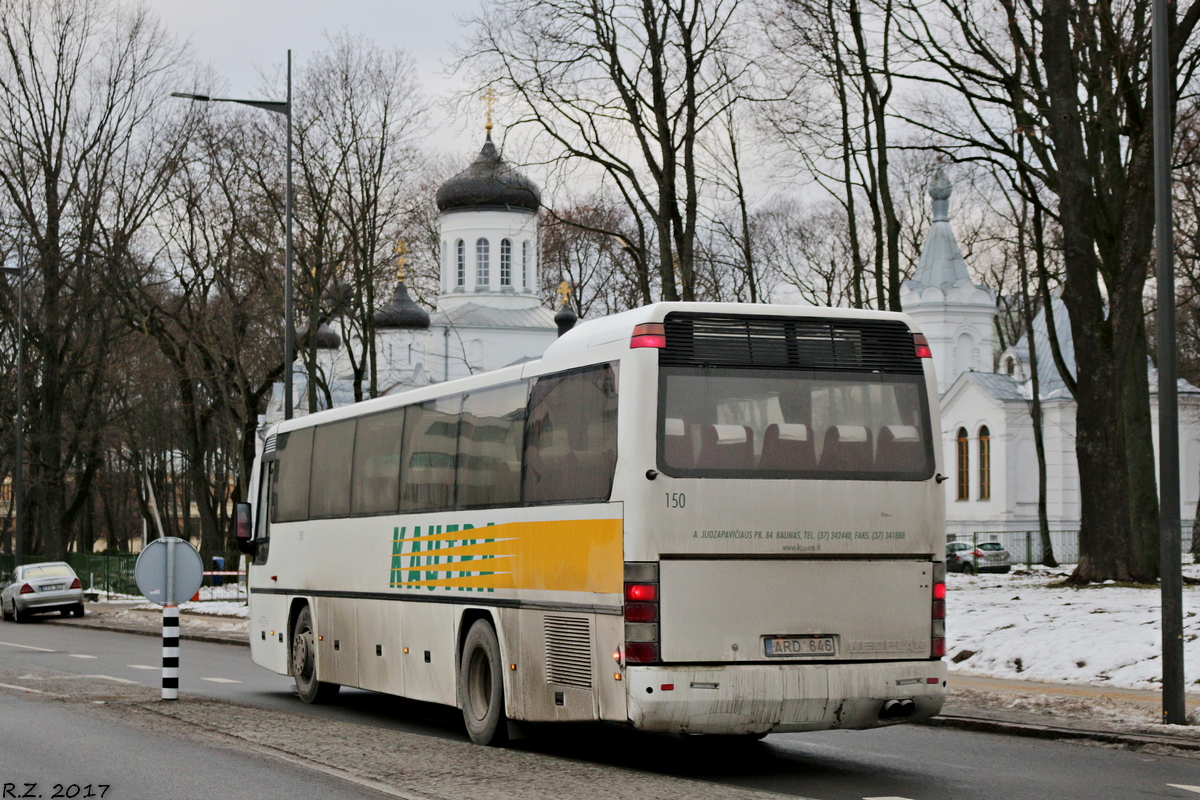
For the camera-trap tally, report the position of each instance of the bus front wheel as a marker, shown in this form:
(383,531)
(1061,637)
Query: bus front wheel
(481,685)
(304,662)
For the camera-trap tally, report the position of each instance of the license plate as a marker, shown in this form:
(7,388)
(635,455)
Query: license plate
(819,644)
(54,587)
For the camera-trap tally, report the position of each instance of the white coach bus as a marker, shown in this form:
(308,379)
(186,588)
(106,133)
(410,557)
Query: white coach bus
(691,517)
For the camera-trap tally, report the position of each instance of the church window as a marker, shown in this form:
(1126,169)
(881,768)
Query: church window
(525,264)
(505,262)
(460,256)
(1010,365)
(482,267)
(964,474)
(985,463)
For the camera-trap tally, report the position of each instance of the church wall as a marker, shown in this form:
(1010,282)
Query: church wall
(1189,452)
(469,226)
(474,350)
(972,409)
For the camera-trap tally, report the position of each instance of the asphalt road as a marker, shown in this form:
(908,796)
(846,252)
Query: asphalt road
(62,751)
(908,762)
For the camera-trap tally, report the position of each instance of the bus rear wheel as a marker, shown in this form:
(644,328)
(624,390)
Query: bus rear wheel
(481,686)
(304,662)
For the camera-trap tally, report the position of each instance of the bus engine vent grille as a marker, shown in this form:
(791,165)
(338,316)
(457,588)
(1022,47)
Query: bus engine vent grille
(568,651)
(789,343)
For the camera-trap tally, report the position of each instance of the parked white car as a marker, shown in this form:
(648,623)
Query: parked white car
(34,588)
(984,557)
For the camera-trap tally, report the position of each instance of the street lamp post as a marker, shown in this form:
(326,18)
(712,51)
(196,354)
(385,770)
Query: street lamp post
(285,108)
(19,468)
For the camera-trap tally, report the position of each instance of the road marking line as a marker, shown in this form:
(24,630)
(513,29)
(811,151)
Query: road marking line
(885,798)
(141,666)
(79,655)
(220,680)
(34,691)
(29,647)
(108,678)
(1195,789)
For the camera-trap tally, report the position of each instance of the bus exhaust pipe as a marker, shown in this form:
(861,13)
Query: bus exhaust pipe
(897,709)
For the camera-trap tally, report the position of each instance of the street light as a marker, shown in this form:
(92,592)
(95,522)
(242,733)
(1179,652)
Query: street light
(19,468)
(284,108)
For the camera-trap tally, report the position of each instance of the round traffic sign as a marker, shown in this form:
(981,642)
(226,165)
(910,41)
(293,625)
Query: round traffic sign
(169,571)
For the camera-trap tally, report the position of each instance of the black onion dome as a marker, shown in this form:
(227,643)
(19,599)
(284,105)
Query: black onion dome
(327,338)
(489,183)
(565,319)
(339,297)
(402,312)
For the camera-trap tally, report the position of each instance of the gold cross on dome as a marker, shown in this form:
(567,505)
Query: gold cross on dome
(564,292)
(489,97)
(401,260)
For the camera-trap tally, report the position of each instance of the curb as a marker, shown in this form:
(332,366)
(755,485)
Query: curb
(211,638)
(1037,731)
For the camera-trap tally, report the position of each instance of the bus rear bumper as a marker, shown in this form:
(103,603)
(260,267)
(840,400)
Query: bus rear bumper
(778,698)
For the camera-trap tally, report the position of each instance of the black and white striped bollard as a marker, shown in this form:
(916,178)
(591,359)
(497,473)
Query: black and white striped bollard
(170,654)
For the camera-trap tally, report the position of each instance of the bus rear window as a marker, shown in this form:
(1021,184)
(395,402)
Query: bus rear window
(772,423)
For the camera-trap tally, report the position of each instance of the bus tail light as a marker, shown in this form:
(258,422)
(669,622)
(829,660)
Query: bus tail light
(641,612)
(641,653)
(649,334)
(922,346)
(937,648)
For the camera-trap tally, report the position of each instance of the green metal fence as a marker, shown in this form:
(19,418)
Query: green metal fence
(113,573)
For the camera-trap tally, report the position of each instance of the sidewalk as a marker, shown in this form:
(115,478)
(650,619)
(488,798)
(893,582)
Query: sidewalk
(1106,715)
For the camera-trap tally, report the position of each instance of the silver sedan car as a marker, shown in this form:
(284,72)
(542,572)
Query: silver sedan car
(33,588)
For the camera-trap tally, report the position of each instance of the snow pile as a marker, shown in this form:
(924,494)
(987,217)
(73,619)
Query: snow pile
(1019,626)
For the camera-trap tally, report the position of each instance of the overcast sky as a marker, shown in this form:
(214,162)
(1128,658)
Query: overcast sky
(240,38)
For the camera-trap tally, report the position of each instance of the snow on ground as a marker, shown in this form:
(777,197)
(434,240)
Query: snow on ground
(1020,626)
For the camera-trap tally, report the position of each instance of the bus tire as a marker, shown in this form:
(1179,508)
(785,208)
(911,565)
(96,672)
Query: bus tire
(481,686)
(304,663)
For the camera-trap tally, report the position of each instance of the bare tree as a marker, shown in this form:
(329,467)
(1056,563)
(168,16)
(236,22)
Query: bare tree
(83,158)
(1070,81)
(628,89)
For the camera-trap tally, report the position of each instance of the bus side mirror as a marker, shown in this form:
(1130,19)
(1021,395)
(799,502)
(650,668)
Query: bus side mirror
(242,528)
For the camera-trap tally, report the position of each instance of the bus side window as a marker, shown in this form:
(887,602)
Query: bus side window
(489,447)
(262,529)
(430,447)
(289,490)
(333,451)
(571,437)
(377,463)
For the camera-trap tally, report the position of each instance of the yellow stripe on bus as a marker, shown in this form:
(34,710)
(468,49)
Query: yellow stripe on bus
(561,555)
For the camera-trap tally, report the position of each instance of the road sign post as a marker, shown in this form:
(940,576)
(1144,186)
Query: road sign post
(168,572)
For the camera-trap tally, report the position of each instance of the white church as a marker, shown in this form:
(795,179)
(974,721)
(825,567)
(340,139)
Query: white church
(488,314)
(987,427)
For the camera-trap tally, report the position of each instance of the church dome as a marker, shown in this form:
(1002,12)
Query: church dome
(327,338)
(402,312)
(489,183)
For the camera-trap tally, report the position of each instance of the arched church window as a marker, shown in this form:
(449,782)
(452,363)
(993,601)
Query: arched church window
(985,463)
(505,262)
(1010,365)
(460,263)
(964,475)
(525,264)
(482,265)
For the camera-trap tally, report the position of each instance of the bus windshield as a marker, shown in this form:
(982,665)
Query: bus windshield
(772,423)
